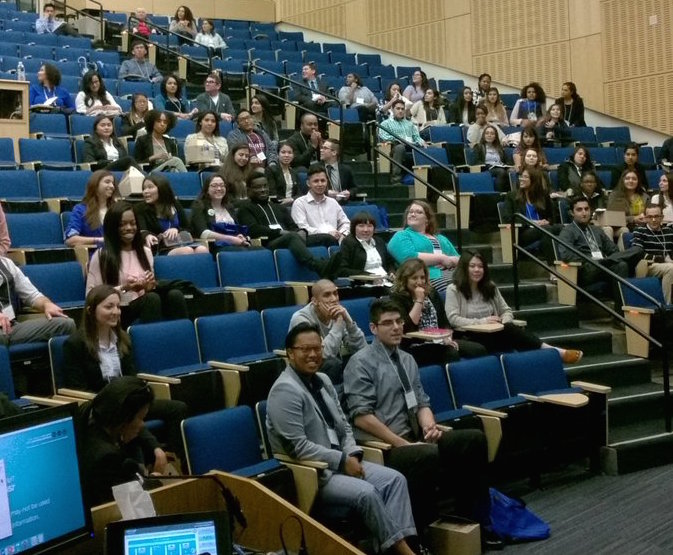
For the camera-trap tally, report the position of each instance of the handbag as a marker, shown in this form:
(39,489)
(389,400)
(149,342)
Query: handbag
(513,521)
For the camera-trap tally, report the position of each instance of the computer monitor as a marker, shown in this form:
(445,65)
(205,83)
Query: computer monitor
(41,503)
(185,533)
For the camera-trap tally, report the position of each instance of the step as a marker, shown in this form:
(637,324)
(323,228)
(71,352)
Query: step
(361,167)
(650,445)
(614,370)
(545,316)
(642,402)
(529,293)
(590,342)
(385,190)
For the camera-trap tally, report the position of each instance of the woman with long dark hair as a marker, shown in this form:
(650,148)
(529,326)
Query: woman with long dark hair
(48,92)
(206,139)
(473,299)
(428,112)
(573,105)
(663,197)
(422,310)
(104,149)
(629,196)
(183,23)
(462,111)
(85,226)
(94,98)
(135,119)
(162,220)
(260,108)
(156,148)
(236,170)
(529,139)
(571,171)
(126,264)
(170,98)
(529,108)
(283,179)
(419,84)
(489,151)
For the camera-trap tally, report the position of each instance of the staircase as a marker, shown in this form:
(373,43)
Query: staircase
(636,435)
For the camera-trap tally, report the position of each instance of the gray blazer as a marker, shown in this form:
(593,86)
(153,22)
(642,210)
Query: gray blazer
(297,428)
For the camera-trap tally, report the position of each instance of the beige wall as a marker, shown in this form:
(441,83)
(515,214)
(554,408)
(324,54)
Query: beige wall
(609,48)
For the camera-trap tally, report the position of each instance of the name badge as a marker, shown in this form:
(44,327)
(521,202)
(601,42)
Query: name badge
(275,226)
(597,255)
(359,100)
(9,311)
(332,435)
(410,399)
(261,156)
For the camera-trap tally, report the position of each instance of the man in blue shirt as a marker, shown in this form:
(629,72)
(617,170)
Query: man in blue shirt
(49,24)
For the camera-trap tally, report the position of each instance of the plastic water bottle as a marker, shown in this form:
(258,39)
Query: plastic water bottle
(20,72)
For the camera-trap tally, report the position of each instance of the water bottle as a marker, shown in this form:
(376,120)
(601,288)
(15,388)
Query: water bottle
(20,72)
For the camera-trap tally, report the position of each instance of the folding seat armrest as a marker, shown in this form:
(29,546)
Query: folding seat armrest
(231,380)
(592,387)
(46,401)
(280,352)
(159,379)
(305,474)
(607,144)
(444,428)
(493,431)
(479,411)
(319,465)
(76,393)
(637,309)
(375,444)
(228,366)
(573,400)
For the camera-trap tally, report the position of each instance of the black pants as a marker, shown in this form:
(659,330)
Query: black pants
(151,307)
(172,413)
(622,263)
(321,239)
(528,236)
(455,466)
(426,353)
(297,246)
(122,164)
(510,338)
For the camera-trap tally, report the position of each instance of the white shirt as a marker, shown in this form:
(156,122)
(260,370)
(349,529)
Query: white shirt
(321,216)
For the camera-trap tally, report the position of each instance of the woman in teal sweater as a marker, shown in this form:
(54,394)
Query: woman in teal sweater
(418,240)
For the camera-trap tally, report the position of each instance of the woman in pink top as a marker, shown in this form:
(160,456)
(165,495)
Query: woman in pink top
(126,264)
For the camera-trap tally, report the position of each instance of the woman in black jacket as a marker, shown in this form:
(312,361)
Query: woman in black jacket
(422,309)
(283,179)
(156,148)
(161,219)
(462,111)
(103,148)
(355,259)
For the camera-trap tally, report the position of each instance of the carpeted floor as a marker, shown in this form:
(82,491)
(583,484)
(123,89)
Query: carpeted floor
(629,514)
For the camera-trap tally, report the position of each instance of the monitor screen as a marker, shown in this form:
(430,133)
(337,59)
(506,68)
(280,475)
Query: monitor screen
(181,534)
(41,502)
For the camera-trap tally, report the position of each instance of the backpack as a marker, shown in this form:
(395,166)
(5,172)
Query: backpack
(513,521)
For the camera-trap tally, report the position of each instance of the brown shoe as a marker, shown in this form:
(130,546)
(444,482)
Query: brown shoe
(572,356)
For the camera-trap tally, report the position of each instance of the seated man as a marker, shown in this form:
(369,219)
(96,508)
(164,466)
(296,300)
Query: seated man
(15,285)
(272,222)
(385,400)
(49,24)
(594,243)
(213,99)
(139,68)
(338,330)
(305,142)
(656,242)
(305,421)
(395,128)
(340,176)
(313,97)
(263,151)
(319,215)
(141,26)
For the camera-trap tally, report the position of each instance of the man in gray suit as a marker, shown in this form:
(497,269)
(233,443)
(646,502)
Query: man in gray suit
(305,421)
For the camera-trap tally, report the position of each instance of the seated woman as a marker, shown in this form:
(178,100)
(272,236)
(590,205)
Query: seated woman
(629,196)
(126,264)
(480,94)
(419,240)
(422,310)
(114,444)
(591,189)
(162,220)
(235,171)
(489,151)
(213,215)
(85,226)
(529,108)
(552,127)
(48,93)
(206,148)
(283,179)
(631,153)
(531,160)
(170,98)
(416,90)
(529,139)
(428,112)
(496,109)
(573,105)
(663,197)
(462,111)
(134,121)
(355,95)
(103,148)
(100,352)
(183,24)
(393,94)
(261,111)
(474,299)
(571,171)
(156,148)
(362,252)
(94,98)
(208,37)
(531,200)
(476,129)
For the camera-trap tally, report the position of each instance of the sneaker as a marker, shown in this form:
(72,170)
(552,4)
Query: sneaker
(572,356)
(490,541)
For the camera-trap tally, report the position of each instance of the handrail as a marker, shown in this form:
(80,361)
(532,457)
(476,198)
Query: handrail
(516,248)
(79,12)
(456,186)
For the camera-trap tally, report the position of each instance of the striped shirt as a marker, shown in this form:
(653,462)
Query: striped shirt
(659,243)
(392,128)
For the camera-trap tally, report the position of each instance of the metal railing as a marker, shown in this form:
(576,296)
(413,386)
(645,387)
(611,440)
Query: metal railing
(659,308)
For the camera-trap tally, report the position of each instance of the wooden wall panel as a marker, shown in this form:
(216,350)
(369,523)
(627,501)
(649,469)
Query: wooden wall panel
(586,70)
(260,10)
(458,51)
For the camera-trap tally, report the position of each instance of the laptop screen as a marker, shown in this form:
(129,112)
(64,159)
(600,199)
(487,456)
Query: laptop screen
(41,504)
(181,534)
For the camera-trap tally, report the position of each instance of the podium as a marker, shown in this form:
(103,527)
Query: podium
(14,111)
(264,510)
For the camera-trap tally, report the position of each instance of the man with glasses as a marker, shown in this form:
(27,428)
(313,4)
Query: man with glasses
(139,68)
(215,100)
(385,401)
(657,243)
(305,421)
(263,151)
(340,334)
(340,176)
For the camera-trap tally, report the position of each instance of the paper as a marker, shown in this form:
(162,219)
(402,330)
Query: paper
(133,501)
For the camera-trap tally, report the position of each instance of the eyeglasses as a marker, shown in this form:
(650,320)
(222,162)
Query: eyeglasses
(421,212)
(653,216)
(305,349)
(389,323)
(211,82)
